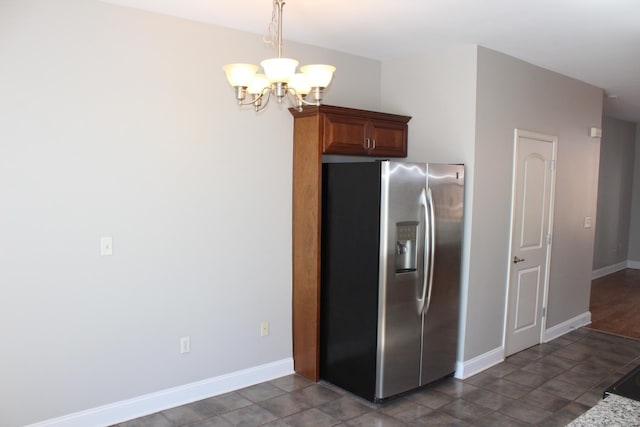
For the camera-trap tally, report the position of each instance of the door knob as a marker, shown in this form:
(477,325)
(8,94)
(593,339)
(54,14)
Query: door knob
(517,260)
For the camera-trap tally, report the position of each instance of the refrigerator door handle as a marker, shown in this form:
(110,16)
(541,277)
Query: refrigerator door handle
(422,300)
(431,225)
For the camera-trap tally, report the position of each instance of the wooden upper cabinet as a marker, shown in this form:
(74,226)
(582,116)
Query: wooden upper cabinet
(344,134)
(362,133)
(388,138)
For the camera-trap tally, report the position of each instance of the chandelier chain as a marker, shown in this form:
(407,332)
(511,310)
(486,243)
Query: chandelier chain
(271,35)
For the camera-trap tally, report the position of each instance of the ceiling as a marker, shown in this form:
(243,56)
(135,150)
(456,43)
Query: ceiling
(596,41)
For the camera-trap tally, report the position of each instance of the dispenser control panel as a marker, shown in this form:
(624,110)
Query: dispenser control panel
(406,246)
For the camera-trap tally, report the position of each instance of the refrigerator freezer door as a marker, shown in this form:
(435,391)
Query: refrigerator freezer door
(349,292)
(402,240)
(440,333)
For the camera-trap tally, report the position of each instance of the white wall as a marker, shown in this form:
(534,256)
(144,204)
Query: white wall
(438,89)
(514,94)
(634,226)
(615,183)
(117,122)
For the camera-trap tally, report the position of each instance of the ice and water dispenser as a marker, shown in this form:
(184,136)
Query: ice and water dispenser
(406,246)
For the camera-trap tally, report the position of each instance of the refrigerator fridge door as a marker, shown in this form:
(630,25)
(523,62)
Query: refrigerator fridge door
(402,288)
(440,327)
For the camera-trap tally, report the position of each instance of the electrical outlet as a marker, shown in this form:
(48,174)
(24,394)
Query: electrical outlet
(264,328)
(185,345)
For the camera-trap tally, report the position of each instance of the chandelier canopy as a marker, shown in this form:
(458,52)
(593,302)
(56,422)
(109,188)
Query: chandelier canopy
(279,77)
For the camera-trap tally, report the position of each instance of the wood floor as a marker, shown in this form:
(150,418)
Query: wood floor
(615,303)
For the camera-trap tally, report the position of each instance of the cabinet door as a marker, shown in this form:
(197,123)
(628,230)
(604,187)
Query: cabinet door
(344,135)
(388,138)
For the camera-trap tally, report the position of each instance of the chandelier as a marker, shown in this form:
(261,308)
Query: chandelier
(280,77)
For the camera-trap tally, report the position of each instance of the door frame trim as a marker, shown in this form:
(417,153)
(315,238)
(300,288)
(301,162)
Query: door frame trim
(553,140)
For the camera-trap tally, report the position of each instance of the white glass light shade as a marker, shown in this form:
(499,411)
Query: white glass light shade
(279,70)
(240,74)
(299,84)
(318,75)
(259,83)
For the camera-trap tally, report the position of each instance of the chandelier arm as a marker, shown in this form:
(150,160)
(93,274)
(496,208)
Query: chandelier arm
(296,101)
(305,102)
(253,101)
(300,99)
(261,106)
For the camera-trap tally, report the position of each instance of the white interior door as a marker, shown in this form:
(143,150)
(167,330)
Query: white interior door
(532,213)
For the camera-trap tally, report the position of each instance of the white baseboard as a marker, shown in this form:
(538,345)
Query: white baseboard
(633,264)
(478,364)
(610,269)
(567,326)
(154,402)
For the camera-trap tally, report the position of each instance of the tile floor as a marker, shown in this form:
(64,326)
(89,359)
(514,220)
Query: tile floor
(546,385)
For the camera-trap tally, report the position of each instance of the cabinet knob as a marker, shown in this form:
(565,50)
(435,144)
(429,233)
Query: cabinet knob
(367,143)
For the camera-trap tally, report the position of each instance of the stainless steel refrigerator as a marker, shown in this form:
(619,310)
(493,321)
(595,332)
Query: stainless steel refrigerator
(391,249)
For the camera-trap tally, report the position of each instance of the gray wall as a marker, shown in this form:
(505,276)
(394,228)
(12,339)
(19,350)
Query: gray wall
(634,228)
(466,103)
(514,94)
(615,184)
(117,122)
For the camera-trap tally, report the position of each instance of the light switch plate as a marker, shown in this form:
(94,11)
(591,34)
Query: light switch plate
(185,344)
(587,222)
(106,246)
(264,328)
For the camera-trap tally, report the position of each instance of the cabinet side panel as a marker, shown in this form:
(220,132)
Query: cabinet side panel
(306,244)
(349,292)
